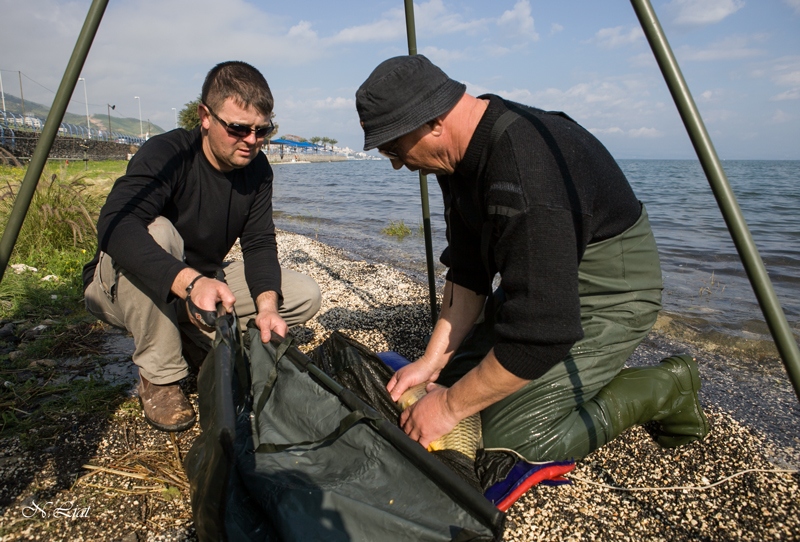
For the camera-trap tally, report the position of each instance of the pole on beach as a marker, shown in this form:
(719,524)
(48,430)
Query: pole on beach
(731,212)
(49,132)
(423,179)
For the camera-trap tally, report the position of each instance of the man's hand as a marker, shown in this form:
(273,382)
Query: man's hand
(268,320)
(429,418)
(206,293)
(441,409)
(412,374)
(460,308)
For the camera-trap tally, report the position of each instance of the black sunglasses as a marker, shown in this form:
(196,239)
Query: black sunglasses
(241,130)
(389,152)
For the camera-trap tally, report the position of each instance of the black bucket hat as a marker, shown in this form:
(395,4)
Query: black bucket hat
(402,94)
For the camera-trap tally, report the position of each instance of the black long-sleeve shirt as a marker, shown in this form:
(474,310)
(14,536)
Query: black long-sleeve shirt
(171,177)
(546,189)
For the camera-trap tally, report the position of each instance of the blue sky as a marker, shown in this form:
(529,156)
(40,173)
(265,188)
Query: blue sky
(741,59)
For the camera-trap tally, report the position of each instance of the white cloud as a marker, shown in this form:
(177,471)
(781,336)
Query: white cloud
(717,96)
(791,94)
(611,38)
(644,132)
(335,103)
(783,72)
(613,130)
(731,48)
(520,20)
(794,4)
(390,28)
(302,31)
(719,115)
(555,28)
(494,50)
(643,60)
(432,16)
(601,103)
(702,12)
(780,116)
(633,133)
(441,57)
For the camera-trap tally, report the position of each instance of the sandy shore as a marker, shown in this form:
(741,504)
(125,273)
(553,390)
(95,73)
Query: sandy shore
(624,491)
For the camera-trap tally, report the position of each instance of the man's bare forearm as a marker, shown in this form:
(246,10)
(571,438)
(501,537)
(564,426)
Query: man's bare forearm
(267,302)
(460,308)
(483,386)
(182,281)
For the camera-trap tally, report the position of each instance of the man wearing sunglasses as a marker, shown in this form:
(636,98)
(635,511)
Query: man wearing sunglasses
(532,196)
(167,226)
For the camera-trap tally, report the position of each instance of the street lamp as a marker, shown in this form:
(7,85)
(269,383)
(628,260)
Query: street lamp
(141,130)
(110,107)
(88,126)
(175,112)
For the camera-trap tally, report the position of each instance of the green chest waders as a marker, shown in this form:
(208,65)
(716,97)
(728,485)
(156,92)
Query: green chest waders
(620,294)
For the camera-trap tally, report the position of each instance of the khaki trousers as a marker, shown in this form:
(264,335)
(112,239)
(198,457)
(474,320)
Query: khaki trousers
(163,335)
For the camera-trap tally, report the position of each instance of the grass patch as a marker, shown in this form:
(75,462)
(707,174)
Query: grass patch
(33,406)
(48,366)
(102,172)
(397,229)
(57,237)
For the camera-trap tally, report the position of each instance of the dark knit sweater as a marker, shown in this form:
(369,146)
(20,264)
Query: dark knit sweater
(171,177)
(548,189)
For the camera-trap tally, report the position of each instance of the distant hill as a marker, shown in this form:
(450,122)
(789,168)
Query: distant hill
(127,126)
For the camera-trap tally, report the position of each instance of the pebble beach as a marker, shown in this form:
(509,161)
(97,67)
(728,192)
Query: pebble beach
(740,483)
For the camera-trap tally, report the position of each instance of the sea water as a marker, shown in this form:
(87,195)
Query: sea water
(706,291)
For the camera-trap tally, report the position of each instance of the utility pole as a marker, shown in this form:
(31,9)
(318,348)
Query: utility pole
(22,98)
(141,130)
(2,93)
(110,107)
(86,99)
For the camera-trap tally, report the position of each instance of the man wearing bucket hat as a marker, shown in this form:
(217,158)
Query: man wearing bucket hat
(532,196)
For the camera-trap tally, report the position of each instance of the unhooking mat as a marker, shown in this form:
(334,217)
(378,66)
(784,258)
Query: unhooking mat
(501,475)
(286,453)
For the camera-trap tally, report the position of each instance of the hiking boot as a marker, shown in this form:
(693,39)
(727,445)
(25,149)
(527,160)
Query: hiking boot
(165,406)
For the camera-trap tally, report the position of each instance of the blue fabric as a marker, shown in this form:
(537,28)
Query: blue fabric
(394,360)
(517,476)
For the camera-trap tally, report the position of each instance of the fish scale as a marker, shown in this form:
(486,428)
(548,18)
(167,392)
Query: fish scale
(465,436)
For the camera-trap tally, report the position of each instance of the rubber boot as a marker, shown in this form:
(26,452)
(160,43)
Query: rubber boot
(666,394)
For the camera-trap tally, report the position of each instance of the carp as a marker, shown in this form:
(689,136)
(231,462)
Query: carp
(465,436)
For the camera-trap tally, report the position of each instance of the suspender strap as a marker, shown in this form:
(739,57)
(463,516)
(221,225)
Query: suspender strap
(500,126)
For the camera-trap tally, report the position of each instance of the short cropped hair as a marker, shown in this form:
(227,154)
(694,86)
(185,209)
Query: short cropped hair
(240,81)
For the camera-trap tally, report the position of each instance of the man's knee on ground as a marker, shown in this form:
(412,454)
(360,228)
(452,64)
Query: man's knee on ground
(313,299)
(167,237)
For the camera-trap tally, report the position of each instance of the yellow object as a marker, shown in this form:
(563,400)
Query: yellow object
(465,436)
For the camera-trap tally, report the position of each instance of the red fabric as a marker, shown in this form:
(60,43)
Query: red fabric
(552,472)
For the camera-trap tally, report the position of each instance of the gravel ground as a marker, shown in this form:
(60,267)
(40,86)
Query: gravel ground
(134,488)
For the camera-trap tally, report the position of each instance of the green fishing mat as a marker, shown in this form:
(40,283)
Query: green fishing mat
(287,453)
